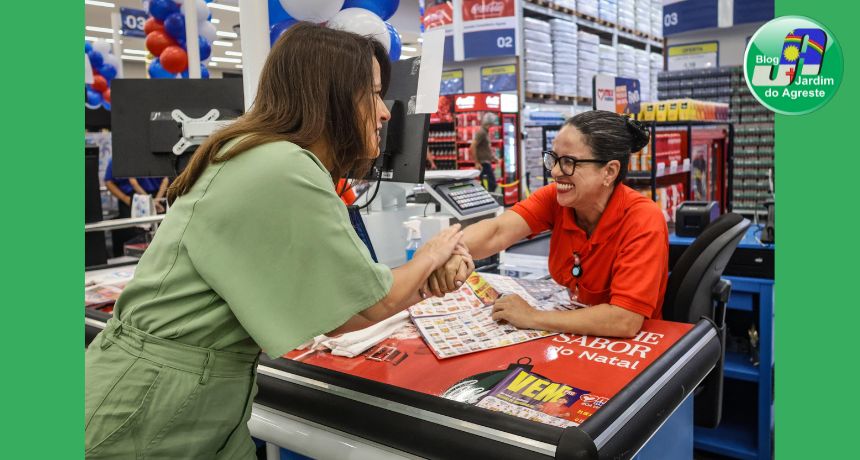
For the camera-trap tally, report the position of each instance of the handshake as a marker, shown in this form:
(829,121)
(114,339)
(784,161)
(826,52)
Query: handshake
(451,260)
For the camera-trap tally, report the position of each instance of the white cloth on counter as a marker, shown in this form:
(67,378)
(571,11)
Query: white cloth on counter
(357,342)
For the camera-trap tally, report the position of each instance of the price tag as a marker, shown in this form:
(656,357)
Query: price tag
(661,169)
(673,167)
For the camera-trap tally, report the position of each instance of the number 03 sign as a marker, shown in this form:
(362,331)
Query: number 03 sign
(485,28)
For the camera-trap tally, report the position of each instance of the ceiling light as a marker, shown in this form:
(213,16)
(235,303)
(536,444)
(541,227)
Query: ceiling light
(409,48)
(420,40)
(216,21)
(221,43)
(106,30)
(221,33)
(238,66)
(95,3)
(232,60)
(233,53)
(134,51)
(94,39)
(213,64)
(219,6)
(133,58)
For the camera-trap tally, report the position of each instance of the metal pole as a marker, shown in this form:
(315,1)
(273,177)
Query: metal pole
(254,24)
(192,44)
(116,26)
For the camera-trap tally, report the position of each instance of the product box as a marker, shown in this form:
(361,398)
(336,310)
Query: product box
(661,111)
(646,112)
(672,110)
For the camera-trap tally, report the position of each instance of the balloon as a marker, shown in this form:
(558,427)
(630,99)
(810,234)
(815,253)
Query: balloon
(394,52)
(361,22)
(99,83)
(87,47)
(278,29)
(277,13)
(157,41)
(204,72)
(179,2)
(157,71)
(202,9)
(94,98)
(96,59)
(312,10)
(106,95)
(151,25)
(108,71)
(174,25)
(205,48)
(382,8)
(106,105)
(208,31)
(174,59)
(112,60)
(161,9)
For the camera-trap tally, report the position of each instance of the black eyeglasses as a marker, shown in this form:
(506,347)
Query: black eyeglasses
(567,164)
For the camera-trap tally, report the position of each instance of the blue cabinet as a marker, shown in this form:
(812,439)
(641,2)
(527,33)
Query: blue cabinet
(746,429)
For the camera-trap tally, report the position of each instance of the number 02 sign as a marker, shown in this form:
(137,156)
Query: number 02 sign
(489,28)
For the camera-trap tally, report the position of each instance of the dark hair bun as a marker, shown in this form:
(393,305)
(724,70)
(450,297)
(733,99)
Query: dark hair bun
(639,134)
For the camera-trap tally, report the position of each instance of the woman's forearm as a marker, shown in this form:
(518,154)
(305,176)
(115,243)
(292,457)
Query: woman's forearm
(600,320)
(491,236)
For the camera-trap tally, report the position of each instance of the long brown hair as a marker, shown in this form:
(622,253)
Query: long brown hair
(316,85)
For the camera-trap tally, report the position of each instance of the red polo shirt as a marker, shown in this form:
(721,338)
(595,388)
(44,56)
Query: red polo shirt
(625,262)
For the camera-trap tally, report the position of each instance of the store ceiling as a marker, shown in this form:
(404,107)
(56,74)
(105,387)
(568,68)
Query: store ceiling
(228,47)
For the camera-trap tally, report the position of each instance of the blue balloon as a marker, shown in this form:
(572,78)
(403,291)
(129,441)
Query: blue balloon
(106,104)
(88,48)
(94,98)
(174,25)
(96,59)
(156,71)
(108,71)
(394,52)
(382,8)
(161,9)
(277,13)
(278,29)
(204,72)
(205,48)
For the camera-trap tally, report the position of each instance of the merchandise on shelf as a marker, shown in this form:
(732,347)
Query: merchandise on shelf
(608,10)
(643,16)
(608,60)
(538,51)
(589,61)
(626,14)
(657,19)
(588,7)
(564,45)
(684,110)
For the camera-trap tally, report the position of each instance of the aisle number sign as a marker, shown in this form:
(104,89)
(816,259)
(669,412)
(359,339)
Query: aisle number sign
(132,22)
(498,78)
(694,56)
(485,28)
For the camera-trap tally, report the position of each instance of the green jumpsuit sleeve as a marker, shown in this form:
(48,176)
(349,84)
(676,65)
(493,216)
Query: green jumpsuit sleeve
(273,239)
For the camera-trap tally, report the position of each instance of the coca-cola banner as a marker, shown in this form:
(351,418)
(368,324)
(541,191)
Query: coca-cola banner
(440,15)
(485,28)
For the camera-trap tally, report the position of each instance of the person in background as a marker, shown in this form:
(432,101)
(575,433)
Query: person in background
(482,151)
(124,190)
(609,244)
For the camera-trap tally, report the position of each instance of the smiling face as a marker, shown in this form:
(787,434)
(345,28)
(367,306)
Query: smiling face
(589,180)
(378,112)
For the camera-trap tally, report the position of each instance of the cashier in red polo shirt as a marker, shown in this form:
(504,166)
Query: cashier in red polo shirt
(609,244)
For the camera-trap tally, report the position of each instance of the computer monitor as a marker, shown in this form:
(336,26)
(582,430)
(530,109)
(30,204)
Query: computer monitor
(404,137)
(144,131)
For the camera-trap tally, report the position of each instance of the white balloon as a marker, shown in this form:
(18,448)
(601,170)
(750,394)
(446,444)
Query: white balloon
(362,22)
(202,10)
(312,10)
(102,47)
(208,31)
(112,60)
(179,2)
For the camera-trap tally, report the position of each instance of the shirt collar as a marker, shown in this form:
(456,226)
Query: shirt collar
(610,220)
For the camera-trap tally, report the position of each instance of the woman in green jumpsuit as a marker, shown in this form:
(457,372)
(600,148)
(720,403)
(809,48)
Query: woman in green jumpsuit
(257,252)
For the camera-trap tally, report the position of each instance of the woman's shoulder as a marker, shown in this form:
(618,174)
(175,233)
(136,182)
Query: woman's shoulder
(642,210)
(279,159)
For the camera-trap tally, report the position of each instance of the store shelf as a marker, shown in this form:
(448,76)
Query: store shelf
(544,12)
(440,141)
(738,366)
(733,439)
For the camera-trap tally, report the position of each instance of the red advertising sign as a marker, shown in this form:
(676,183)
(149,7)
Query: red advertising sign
(487,9)
(477,101)
(567,377)
(438,15)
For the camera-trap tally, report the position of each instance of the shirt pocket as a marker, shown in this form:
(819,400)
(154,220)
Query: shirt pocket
(123,402)
(593,297)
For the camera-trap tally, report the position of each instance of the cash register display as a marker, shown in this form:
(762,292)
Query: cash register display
(468,195)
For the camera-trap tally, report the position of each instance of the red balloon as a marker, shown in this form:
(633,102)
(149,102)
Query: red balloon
(174,59)
(157,41)
(99,83)
(106,95)
(151,25)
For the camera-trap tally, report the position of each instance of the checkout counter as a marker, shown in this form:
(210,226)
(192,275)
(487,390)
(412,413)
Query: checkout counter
(388,405)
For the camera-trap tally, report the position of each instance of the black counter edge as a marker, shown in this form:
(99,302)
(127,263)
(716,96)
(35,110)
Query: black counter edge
(626,442)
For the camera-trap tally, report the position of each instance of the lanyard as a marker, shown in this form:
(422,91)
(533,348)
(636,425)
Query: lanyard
(576,272)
